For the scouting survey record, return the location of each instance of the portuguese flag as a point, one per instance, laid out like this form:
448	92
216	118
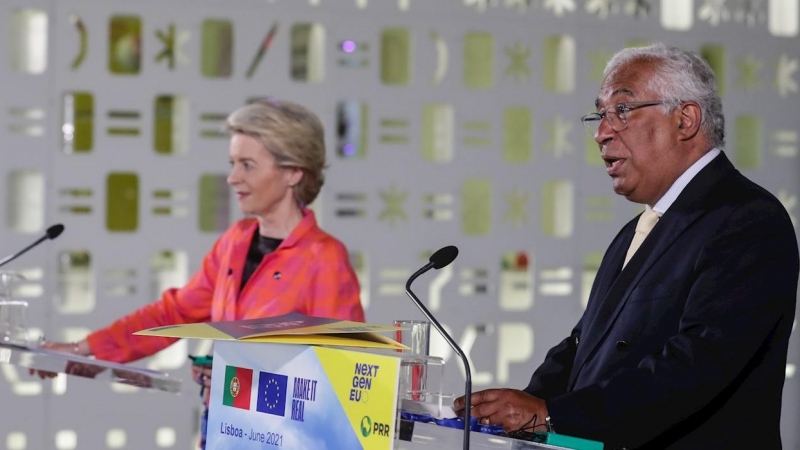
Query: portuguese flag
237	387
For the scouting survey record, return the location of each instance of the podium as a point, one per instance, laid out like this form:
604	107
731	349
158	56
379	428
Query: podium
312	397
36	358
298	396
298	382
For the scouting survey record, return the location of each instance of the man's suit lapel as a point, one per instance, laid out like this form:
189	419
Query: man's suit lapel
686	209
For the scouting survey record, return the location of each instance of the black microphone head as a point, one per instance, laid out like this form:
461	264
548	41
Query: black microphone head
444	256
54	231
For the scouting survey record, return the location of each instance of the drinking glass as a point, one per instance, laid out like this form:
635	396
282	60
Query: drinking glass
13	327
414	371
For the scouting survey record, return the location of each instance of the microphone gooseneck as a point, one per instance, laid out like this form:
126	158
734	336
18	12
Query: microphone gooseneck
439	259
51	233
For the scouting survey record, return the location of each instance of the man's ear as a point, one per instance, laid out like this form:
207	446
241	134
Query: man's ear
690	117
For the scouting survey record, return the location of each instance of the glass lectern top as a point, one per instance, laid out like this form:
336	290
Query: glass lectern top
58	362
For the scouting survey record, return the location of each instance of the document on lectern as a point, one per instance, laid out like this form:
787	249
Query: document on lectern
293	328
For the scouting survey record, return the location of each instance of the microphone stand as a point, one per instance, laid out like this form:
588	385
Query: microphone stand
51	233
453	345
10	258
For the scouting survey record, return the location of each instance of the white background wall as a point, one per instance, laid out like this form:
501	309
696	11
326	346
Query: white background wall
551	201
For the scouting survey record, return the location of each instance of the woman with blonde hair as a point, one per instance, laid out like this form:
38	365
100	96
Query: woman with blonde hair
275	262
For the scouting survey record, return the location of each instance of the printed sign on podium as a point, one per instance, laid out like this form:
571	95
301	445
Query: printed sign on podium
266	393
301	397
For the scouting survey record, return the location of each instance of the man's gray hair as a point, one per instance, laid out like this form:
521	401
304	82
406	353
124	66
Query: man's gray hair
680	76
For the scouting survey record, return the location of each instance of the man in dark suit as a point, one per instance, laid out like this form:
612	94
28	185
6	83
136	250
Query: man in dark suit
683	343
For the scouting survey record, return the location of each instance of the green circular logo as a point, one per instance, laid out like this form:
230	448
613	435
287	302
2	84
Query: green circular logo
366	426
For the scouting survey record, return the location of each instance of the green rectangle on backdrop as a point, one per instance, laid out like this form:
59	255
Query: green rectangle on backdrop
81	111
747	135
476	207
217	48
557	208
437	132
213	209
479	60
162	125
715	56
122	201
396	56
592	152
517	123
124	45
559	64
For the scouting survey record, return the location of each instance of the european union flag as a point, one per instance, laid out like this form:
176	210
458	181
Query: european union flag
272	393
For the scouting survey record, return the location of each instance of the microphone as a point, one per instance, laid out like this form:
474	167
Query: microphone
51	233
441	258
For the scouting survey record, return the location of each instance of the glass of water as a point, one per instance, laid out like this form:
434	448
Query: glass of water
13	326
416	335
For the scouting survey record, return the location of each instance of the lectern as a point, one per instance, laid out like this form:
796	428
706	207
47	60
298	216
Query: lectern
33	357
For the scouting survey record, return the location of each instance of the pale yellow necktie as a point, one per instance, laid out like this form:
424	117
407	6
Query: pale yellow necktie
645	225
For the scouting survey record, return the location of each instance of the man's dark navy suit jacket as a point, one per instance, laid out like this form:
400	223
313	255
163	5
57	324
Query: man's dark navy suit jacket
686	347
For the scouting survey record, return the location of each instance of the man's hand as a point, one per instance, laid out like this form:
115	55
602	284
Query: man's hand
512	409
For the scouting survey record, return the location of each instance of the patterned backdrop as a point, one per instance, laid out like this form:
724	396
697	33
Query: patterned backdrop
447	122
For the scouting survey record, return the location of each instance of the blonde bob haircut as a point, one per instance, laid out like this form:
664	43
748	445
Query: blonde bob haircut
292	134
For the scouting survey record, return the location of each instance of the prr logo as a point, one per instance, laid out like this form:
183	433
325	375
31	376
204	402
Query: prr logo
366	426
369	428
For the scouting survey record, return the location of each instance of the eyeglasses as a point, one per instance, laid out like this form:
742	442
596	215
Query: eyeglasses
616	115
